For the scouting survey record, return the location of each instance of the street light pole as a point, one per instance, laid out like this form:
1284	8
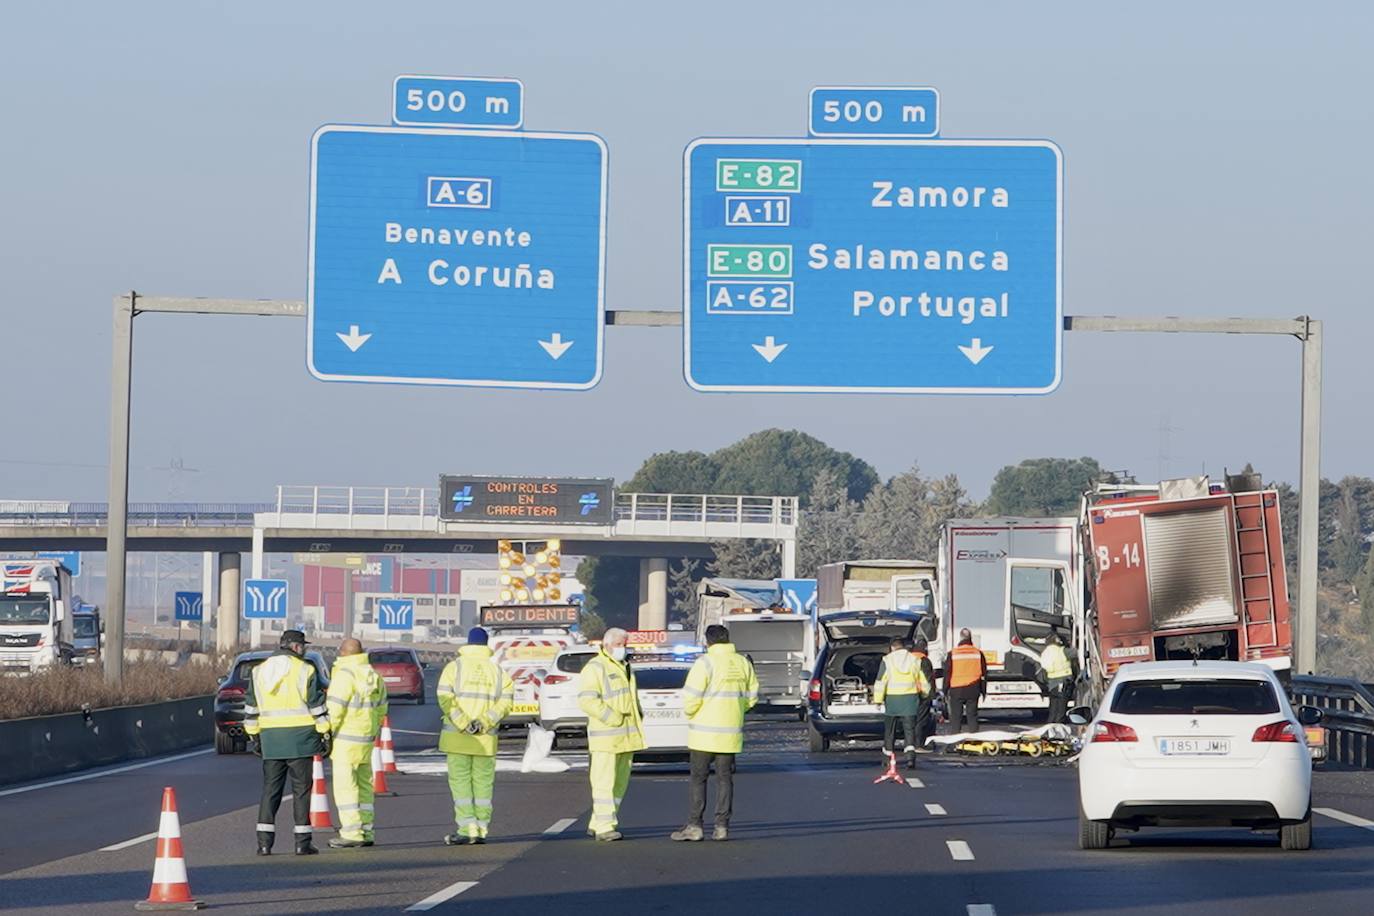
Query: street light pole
121	376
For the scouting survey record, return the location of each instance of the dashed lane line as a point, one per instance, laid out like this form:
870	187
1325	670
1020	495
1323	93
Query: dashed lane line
914	783
981	909
124	769
127	843
1351	819
937	810
448	893
559	826
959	851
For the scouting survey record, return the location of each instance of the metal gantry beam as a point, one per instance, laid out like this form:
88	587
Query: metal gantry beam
1305	329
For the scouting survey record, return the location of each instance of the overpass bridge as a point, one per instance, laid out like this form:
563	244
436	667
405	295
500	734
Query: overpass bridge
651	527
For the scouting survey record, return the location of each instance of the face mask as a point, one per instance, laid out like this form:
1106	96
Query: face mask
618	653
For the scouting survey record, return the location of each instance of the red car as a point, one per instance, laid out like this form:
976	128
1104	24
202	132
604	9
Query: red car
402	671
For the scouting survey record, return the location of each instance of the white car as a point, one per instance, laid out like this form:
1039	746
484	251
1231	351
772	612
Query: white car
1211	743
558	709
660	698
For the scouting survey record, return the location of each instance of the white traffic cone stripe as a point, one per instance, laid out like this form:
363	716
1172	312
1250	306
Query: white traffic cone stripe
168	826
169	871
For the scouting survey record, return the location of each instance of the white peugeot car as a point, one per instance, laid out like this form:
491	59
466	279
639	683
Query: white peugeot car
1211	743
558	709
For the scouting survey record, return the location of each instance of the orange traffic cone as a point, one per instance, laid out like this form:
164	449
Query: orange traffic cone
891	773
170	889
379	786
388	749
319	799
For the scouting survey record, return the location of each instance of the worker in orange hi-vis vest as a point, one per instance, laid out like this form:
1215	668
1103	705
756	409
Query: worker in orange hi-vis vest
966	680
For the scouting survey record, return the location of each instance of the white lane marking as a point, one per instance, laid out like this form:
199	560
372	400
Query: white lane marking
914	783
123	769
559	826
448	893
935	809
127	843
981	909
1351	819
959	851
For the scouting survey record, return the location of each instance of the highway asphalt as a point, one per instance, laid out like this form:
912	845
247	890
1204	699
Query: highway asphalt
812	833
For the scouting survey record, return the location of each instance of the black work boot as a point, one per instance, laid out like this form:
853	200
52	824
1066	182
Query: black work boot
265	842
304	847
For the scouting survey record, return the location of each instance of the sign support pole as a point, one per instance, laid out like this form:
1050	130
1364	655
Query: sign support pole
1305	329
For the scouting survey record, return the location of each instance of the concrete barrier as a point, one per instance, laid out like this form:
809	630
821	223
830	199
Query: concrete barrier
52	745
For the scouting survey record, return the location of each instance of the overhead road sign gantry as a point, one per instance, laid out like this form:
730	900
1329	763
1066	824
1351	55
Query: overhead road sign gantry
456	257
876	265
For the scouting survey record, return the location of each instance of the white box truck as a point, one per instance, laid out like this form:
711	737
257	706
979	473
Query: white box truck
35	615
1011	581
776	641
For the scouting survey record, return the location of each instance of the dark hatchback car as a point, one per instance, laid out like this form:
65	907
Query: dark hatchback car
840	695
402	671
229	734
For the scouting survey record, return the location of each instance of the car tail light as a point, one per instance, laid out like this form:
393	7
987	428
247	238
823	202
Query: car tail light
1112	732
231	693
815	693
556	679
1016	640
1281	731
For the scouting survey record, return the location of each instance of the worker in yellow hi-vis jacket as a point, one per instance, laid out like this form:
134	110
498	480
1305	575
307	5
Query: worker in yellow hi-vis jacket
474	696
608	695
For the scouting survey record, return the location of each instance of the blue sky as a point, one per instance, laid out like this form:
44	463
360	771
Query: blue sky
1216	164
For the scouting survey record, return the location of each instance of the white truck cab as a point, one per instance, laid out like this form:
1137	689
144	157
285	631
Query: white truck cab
35	615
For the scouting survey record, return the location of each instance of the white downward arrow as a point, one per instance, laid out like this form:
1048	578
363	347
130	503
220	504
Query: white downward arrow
769	349
976	352
353	340
556	346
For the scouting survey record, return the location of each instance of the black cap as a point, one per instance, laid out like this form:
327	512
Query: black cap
291	637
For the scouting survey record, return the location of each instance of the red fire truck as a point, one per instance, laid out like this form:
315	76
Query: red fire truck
1186	569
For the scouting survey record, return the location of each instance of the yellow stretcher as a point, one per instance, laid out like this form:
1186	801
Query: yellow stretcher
1031	746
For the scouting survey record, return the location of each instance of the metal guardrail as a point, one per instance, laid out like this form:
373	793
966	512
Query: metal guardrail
1347	714
20	514
678	507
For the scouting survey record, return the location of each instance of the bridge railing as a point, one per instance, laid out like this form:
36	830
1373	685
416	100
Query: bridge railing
1347	714
679	507
38	514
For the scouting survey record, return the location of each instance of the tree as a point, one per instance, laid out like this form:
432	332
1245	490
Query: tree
610	587
894	518
1347	537
1042	486
590	624
829	529
746	559
779	462
675	472
682	590
1364	587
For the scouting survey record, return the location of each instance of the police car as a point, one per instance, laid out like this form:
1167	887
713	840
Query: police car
661	675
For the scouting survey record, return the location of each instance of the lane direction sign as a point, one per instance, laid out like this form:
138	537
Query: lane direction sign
395	614
877	265
189	606
456	257
265	599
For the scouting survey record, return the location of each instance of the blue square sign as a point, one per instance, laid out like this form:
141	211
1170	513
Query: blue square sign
881	265
395	614
189	606
265	599
456	257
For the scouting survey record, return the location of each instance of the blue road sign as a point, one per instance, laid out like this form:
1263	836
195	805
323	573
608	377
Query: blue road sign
456	257
899	266
457	101
798	595
264	599
189	606
70	559
395	614
874	111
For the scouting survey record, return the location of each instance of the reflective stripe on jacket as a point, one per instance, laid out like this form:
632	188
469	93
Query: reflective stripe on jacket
720	688
900	675
284	707
1056	663
966	666
607	693
357	703
473	688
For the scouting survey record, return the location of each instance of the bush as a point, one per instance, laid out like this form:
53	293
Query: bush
147	680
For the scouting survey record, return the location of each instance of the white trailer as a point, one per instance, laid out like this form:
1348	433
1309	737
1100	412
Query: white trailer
779	643
1011	581
35	615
